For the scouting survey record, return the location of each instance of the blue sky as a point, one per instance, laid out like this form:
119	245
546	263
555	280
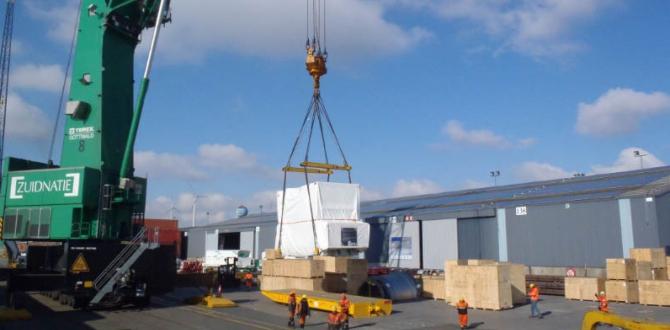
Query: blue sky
425	95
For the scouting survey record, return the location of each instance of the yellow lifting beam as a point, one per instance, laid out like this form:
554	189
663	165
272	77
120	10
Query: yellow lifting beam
326	166
593	318
360	307
308	170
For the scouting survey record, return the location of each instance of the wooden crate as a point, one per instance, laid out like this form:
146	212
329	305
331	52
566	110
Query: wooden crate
299	268
267	267
270	283
448	279
344	265
654	292
484	287
655	256
480	262
271	254
643	271
517	278
583	288
335	283
621	269
433	287
659	274
624	291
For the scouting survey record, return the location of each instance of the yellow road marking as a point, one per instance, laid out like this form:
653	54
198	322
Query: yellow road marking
227	317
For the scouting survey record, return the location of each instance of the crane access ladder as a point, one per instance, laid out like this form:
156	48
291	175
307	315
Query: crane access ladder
121	264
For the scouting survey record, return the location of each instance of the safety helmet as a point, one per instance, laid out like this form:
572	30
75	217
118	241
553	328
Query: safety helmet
304	296
602	293
532	285
292	293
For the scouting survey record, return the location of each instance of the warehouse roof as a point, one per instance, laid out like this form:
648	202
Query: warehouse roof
639	183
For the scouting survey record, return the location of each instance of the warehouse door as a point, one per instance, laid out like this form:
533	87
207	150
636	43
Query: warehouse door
377	252
439	242
211	240
478	238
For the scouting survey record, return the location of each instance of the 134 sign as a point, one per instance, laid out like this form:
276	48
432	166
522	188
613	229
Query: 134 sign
521	210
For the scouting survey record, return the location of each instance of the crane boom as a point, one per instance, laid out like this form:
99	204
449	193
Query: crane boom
5	59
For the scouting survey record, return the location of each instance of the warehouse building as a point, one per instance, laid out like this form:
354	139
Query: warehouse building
568	222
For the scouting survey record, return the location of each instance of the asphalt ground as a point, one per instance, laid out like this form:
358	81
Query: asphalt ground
254	311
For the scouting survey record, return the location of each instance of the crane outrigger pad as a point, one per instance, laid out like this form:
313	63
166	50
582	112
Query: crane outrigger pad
360	307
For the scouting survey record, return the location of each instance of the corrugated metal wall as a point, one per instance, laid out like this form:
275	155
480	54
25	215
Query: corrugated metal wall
645	228
196	244
663	217
440	242
408	255
555	235
478	238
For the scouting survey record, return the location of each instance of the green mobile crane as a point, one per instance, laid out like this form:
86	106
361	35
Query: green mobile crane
86	215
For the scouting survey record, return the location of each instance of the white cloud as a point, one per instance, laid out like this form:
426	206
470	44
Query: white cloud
210	207
628	162
226	156
540	28
25	121
61	17
619	111
267	198
481	137
48	78
535	171
371	195
415	187
276	29
209	158
474	184
167	165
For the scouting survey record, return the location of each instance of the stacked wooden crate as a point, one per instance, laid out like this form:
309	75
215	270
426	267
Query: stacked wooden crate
433	286
344	274
583	288
485	285
297	274
657	258
622	279
656	290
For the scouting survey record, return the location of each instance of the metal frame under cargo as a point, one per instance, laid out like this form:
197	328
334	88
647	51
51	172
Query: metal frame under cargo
572	222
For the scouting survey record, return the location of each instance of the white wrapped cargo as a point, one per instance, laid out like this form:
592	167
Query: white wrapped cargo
335	207
330	201
298	238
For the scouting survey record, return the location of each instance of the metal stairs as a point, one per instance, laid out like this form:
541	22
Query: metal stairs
105	282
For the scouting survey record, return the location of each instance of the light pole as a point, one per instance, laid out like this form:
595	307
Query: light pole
261	208
195	203
172	209
640	155
495	174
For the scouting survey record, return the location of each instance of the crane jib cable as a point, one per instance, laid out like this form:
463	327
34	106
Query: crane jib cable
315	113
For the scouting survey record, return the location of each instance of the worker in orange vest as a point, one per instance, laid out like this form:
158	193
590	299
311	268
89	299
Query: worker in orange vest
302	311
603	305
344	311
334	320
292	306
249	280
462	308
534	295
